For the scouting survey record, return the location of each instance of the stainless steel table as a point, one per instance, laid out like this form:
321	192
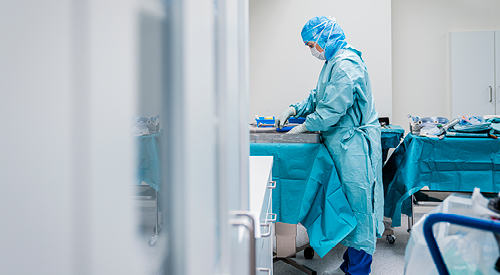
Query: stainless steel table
270	135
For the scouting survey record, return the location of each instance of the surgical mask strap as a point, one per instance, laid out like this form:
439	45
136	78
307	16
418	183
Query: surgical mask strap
319	36
331	29
317	26
326	22
333	25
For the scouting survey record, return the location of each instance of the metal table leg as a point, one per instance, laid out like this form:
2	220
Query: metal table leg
411	219
298	266
158	226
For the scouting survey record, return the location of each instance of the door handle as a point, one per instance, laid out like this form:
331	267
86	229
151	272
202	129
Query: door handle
273	185
273	217
491	94
262	269
268	233
248	224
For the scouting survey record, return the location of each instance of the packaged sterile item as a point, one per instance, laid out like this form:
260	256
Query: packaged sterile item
430	131
471	120
429	123
465	250
143	126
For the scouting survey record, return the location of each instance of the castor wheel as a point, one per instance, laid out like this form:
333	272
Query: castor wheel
153	240
391	239
309	253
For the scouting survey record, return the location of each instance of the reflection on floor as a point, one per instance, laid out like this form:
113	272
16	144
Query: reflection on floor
387	260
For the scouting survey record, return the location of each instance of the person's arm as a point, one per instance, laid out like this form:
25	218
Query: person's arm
306	106
300	109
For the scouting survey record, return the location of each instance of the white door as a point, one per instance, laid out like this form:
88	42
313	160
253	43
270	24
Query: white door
208	142
73	74
473	73
231	42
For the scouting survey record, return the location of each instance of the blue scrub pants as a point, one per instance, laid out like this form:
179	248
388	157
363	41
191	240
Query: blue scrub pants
356	262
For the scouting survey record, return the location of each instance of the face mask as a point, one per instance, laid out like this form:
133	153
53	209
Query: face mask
317	54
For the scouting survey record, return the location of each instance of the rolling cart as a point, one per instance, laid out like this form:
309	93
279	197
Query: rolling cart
146	196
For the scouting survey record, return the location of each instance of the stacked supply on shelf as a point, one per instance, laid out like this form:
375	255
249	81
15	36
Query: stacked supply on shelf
144	126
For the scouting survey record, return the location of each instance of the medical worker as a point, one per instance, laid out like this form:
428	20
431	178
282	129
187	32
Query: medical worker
342	108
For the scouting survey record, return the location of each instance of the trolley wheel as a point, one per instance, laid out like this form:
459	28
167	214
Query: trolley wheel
391	239
309	253
153	240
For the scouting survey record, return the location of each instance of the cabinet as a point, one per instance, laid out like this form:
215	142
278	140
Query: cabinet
475	73
261	208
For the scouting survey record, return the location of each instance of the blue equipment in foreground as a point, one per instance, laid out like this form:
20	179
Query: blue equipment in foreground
488	225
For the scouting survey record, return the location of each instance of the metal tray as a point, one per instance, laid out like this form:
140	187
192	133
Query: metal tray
270	135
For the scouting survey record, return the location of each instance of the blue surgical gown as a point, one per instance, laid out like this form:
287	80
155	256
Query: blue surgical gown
342	108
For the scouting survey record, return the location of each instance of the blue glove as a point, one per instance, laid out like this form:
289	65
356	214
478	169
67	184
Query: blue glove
298	129
281	120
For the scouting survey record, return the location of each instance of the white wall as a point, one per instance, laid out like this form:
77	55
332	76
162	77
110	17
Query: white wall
421	51
282	69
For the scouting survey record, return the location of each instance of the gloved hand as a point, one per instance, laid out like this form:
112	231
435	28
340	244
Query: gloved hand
298	129
281	120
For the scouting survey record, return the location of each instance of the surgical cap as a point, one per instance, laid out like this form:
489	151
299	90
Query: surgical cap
326	33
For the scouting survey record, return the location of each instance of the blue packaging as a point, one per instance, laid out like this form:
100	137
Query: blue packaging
268	122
